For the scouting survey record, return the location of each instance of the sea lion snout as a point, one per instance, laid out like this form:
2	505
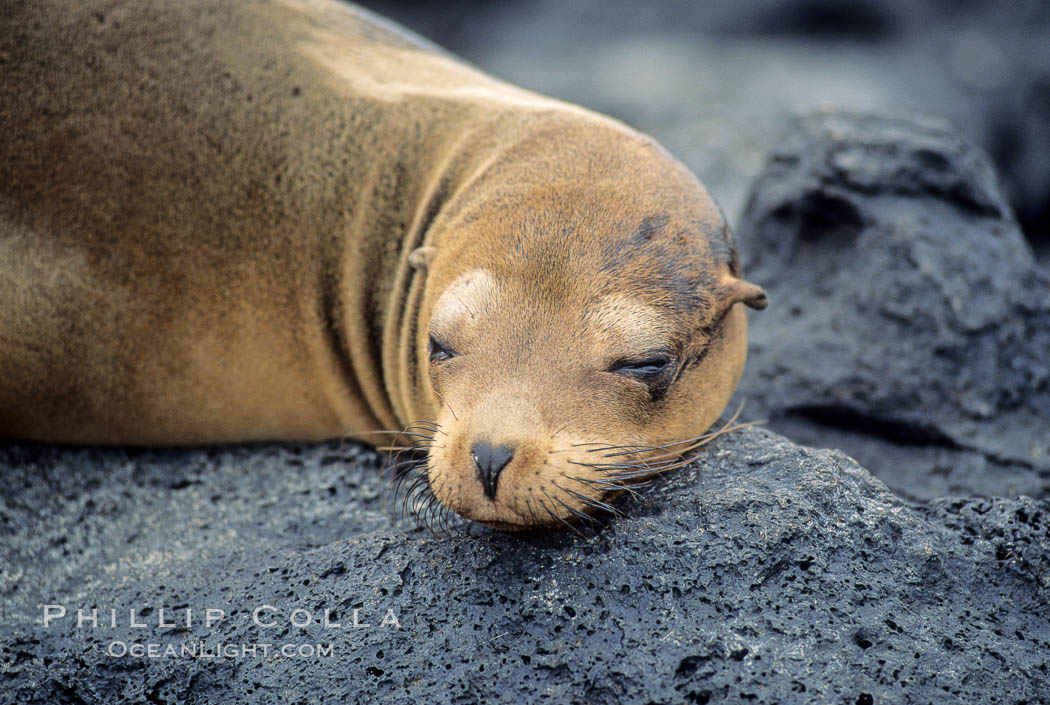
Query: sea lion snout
489	462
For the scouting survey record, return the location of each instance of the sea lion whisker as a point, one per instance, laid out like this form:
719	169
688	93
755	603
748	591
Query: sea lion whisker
590	501
652	467
398	466
435	517
639	474
618	466
402	489
656	460
406	485
427	422
400	472
644	473
430	515
417	482
680	463
442	529
702	441
635	448
407	470
605	485
417	506
447	519
685	463
400	461
423	520
446	404
403	501
557	518
587	465
695	442
532	510
603	447
558	431
411	497
397	474
599	449
631	486
410	508
389	433
689	444
414	434
392	467
404	457
394	488
421	503
419	447
660	466
580	515
424	426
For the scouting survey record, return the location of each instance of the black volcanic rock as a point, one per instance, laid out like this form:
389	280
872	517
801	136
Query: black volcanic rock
905	307
767	573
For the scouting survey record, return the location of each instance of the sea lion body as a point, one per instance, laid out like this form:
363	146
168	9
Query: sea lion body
241	221
203	211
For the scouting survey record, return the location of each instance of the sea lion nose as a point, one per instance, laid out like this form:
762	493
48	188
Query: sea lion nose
490	462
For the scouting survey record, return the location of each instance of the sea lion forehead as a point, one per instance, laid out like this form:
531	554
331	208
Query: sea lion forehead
470	295
626	318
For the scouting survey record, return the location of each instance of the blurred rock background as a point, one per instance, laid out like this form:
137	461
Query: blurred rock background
716	80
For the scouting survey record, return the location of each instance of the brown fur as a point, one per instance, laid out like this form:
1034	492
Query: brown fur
208	211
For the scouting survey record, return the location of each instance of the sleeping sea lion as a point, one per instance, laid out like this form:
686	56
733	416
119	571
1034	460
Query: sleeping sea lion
290	220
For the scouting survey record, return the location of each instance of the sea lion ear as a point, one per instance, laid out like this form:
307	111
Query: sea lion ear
734	289
419	259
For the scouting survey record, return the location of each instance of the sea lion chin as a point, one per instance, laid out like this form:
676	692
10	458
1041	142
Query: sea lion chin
291	221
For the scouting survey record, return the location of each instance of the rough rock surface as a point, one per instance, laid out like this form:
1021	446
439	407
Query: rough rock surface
766	573
909	323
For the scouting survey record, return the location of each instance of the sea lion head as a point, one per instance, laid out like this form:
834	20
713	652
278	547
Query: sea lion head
577	339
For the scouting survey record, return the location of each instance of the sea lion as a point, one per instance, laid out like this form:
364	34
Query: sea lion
284	219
